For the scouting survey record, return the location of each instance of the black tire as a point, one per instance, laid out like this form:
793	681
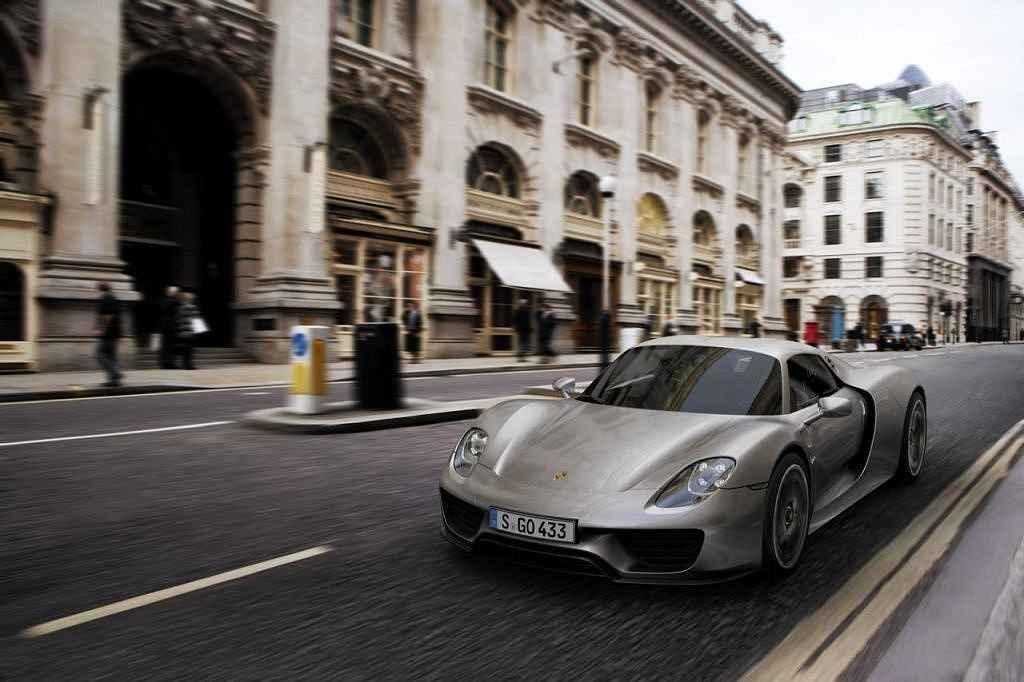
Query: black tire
914	441
787	515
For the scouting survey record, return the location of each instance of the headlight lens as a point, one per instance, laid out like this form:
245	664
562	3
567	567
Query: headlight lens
696	482
469	450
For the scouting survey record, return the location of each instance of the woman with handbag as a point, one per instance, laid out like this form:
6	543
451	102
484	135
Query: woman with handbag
190	325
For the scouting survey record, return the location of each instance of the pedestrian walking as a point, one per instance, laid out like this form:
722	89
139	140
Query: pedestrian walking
1006	335
669	329
649	326
755	328
931	336
187	329
523	323
108	326
412	319
169	329
547	333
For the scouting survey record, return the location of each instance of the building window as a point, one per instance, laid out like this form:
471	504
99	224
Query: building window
949	196
959	201
496	35
949	236
792	195
970	214
970	187
931	186
490	170
652	216
586	83
791	234
873	149
931	229
798	125
833	153
875	224
703	131
743	162
361	17
833	230
854	115
970	242
873	267
874	185
653	94
958	242
353	150
791	266
833	268
582	196
833	188
939	195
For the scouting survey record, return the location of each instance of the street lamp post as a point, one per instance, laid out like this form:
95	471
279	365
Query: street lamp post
607	186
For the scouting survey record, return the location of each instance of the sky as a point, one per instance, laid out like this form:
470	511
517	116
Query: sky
975	45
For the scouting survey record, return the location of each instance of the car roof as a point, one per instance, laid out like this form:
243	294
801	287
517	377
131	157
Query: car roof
777	348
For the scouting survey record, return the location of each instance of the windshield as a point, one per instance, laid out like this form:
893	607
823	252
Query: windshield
699	379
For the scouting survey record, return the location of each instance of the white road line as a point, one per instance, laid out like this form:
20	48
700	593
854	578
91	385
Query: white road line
257	393
881	360
115	433
161	595
930	354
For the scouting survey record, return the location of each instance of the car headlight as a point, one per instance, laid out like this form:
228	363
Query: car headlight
696	483
469	450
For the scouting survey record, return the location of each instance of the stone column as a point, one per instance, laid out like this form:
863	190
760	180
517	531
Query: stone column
293	287
771	233
731	322
628	89
685	156
80	71
444	57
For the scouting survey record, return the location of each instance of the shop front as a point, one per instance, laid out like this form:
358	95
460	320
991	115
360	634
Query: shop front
749	291
707	299
582	265
19	257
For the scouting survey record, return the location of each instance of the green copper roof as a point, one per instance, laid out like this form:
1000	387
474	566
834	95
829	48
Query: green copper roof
889	112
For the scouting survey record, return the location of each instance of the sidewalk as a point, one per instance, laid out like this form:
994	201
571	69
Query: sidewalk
51	385
969	625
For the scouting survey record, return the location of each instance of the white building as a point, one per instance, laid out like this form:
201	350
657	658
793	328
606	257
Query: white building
875	220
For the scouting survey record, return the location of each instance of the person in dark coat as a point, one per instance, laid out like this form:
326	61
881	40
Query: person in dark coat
755	328
547	333
169	329
669	329
186	334
931	336
108	325
523	324
412	319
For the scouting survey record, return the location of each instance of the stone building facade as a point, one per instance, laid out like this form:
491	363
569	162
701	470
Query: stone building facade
882	219
331	161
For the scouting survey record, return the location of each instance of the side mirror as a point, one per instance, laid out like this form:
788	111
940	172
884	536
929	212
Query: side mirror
566	386
830	408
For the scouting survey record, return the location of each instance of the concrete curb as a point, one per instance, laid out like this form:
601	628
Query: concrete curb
343	418
145	389
1000	652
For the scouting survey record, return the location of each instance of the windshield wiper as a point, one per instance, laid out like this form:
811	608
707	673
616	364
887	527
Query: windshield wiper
590	399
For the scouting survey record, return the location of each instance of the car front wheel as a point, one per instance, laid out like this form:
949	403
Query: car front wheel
914	441
787	515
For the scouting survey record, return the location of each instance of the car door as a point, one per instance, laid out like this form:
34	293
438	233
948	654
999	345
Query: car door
832	442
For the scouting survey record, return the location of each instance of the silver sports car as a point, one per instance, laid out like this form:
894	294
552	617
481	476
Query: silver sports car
688	459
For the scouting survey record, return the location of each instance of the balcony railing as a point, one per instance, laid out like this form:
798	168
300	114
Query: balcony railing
584	227
495	208
748	261
360	188
792	242
703	253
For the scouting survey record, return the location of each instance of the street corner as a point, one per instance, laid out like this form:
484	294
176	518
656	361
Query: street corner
349	417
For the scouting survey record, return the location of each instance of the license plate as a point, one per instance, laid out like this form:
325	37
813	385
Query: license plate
543	527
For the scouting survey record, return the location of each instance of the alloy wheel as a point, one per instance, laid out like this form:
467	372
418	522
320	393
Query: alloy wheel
791	515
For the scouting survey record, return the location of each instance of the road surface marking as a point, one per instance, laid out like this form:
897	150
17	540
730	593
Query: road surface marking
115	433
826	643
52	626
257	393
881	360
929	354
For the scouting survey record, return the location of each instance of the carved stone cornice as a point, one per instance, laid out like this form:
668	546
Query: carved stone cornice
650	163
486	100
239	39
362	79
734	113
702	183
590	29
24	15
630	50
554	12
582	136
745	200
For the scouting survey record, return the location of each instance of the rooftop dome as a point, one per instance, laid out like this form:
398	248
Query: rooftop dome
915	77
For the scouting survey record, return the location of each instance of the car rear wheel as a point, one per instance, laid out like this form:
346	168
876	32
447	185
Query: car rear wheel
915	440
787	515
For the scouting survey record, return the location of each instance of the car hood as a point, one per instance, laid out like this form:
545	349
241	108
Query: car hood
598	447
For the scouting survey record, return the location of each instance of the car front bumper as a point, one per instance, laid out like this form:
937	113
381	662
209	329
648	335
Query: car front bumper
619	536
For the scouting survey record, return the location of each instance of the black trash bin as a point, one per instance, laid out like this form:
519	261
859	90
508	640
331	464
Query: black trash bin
378	366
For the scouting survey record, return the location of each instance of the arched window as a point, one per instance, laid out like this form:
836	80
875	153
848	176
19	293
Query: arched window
704	229
793	195
874	312
497	37
12	303
653	106
361	17
582	195
703	131
353	150
745	245
651	215
586	87
489	169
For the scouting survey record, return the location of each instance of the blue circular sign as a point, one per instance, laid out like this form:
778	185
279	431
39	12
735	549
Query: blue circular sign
300	344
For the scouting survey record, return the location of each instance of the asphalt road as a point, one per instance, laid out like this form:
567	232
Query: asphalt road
86	523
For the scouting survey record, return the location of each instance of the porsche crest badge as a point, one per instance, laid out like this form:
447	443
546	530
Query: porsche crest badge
561	475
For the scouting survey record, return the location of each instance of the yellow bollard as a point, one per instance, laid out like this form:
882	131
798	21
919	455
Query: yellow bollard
309	369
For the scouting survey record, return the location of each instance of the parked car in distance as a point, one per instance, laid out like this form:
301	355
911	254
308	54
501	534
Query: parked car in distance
899	336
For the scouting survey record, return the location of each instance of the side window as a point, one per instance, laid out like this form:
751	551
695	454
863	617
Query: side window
809	380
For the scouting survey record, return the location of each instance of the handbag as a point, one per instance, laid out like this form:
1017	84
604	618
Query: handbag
199	326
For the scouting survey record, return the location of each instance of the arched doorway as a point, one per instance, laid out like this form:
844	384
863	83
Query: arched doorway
707	286
178	187
874	312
